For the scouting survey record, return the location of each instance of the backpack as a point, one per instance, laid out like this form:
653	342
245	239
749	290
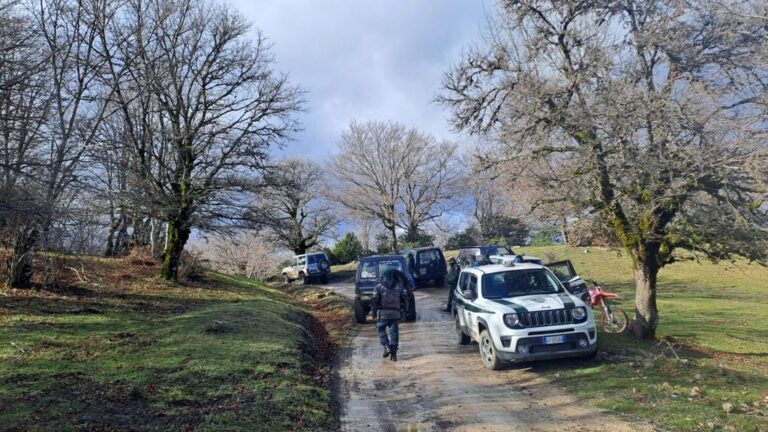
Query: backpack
390	301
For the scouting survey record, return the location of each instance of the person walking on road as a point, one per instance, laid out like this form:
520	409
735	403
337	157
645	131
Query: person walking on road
451	279
390	298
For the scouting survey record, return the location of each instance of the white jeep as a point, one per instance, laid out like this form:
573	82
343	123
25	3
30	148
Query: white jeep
521	312
308	267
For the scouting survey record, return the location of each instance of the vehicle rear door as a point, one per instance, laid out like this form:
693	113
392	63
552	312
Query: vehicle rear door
312	264
429	264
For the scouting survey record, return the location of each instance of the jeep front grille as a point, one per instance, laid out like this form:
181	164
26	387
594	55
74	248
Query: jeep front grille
546	318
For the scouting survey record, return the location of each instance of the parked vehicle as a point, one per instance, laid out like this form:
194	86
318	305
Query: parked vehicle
521	312
471	253
613	319
308	267
368	271
427	264
571	281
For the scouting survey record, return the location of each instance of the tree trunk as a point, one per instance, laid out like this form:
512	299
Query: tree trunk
20	262
564	229
393	233
646	312
176	237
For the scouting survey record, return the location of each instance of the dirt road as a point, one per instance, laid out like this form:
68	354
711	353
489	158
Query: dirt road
439	386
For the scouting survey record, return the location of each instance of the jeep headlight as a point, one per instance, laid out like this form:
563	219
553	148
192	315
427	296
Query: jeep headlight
512	320
579	314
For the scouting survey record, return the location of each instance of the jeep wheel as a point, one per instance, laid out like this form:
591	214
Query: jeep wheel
359	312
461	337
411	315
304	278
488	352
286	279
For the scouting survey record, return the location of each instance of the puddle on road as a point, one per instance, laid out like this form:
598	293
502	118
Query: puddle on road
416	427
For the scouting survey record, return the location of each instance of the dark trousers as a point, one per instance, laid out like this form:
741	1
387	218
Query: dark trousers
394	334
451	293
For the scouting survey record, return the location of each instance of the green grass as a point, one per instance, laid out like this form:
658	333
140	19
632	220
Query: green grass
716	317
137	354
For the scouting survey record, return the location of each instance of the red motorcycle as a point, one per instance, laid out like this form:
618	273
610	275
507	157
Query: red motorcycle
614	319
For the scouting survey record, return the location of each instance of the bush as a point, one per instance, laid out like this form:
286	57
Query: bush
545	237
347	249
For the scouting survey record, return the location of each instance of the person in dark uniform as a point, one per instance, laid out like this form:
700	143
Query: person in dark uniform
451	279
390	298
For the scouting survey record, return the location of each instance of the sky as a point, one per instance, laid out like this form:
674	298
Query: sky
366	60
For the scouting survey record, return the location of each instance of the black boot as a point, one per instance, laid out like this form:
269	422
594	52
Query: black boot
387	352
393	353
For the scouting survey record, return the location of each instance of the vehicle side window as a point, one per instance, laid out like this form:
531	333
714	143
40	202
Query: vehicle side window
301	260
428	257
472	284
463	278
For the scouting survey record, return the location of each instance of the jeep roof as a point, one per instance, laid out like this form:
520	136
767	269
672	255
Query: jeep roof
419	249
381	257
496	268
310	253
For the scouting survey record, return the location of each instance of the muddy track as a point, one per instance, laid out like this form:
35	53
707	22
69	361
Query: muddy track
439	386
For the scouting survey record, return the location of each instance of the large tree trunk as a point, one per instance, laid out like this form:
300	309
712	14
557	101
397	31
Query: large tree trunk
646	312
177	236
20	262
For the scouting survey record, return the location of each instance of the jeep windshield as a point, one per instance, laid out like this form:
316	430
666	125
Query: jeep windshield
515	283
372	269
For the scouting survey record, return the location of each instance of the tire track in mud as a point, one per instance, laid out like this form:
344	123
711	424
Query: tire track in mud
439	386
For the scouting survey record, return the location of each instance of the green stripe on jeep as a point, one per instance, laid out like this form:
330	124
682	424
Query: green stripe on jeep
519	309
567	302
471	307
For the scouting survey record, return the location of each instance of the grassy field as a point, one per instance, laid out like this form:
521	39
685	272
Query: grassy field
118	350
715	318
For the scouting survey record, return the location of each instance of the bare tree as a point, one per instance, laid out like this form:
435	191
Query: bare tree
243	253
210	109
433	181
24	107
658	106
291	206
398	176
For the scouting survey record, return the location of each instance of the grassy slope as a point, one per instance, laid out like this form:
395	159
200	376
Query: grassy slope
717	312
124	352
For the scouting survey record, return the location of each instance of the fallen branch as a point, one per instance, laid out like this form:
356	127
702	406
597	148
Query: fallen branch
18	347
83	277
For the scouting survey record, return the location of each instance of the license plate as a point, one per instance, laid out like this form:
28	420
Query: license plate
550	340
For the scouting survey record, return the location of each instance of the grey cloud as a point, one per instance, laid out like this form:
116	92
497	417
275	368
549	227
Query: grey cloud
365	59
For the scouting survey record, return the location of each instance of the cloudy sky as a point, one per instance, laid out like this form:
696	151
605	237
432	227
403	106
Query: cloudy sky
366	60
